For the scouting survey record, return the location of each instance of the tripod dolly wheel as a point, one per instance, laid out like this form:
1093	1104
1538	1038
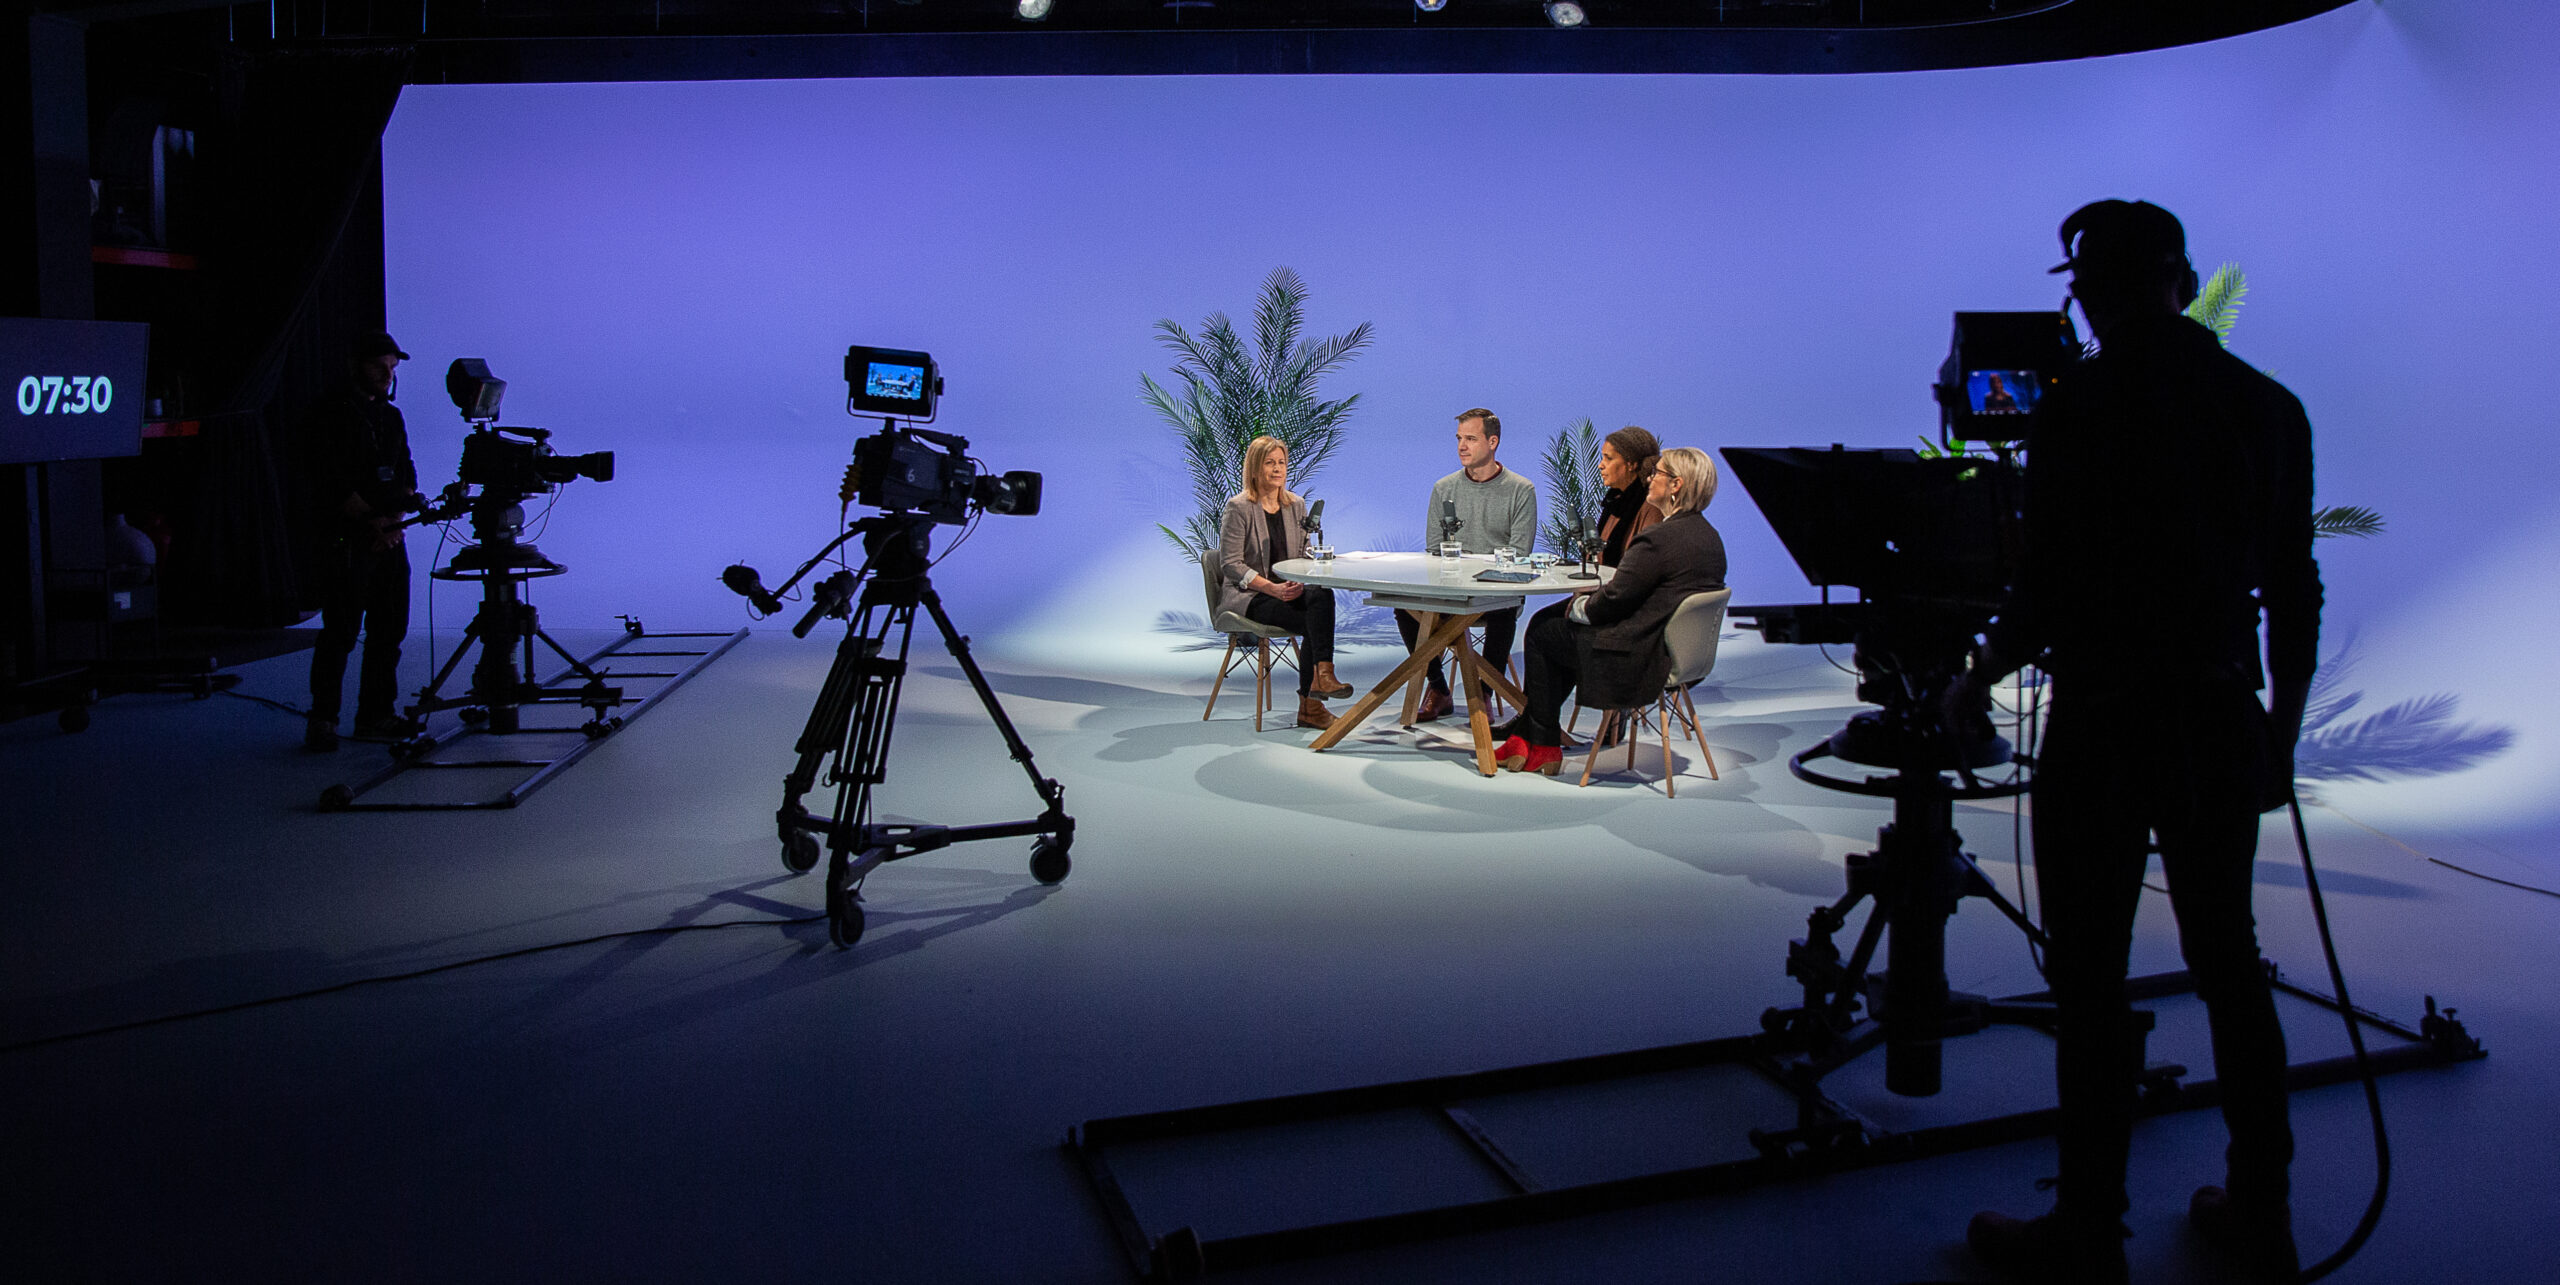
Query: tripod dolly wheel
73	718
799	852
1049	863
335	798
844	904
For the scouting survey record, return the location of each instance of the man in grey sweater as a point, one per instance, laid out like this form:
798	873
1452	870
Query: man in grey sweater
1494	507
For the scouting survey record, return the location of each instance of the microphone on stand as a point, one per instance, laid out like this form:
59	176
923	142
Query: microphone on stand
1449	523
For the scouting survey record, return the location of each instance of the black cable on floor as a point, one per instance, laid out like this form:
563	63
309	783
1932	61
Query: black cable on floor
667	930
2364	1067
271	704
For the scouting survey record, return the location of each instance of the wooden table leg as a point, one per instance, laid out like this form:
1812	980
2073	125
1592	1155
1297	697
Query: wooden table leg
1429	622
1406	671
1479	728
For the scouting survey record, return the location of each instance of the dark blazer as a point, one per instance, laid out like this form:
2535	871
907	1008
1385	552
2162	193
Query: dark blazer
1623	662
1244	545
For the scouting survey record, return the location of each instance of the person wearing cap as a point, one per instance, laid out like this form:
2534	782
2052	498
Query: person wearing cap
362	480
2144	574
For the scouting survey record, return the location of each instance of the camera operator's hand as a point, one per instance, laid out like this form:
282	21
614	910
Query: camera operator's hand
2284	733
387	533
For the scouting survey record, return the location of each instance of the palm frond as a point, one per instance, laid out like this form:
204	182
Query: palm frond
1232	393
1573	493
2346	519
2217	305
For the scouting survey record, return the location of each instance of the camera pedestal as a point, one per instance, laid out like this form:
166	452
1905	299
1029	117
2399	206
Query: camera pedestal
505	625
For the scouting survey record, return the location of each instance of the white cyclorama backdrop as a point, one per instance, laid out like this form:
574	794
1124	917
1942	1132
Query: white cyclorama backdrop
673	271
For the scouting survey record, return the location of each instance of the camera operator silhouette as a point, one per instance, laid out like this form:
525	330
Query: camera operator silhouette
2145	570
362	480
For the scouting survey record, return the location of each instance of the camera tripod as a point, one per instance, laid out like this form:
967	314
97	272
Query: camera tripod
1916	875
505	625
857	709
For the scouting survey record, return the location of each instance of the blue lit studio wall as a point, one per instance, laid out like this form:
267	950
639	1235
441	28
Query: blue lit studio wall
673	271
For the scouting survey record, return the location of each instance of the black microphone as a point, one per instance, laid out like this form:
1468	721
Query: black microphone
1449	522
1315	516
744	582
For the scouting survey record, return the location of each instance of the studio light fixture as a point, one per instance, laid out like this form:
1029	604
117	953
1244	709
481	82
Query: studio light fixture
1431	6
1031	10
1565	13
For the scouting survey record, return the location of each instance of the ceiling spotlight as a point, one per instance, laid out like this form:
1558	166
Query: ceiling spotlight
1431	6
1031	10
1565	13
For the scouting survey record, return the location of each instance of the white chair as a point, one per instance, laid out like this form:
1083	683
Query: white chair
1237	627
1690	636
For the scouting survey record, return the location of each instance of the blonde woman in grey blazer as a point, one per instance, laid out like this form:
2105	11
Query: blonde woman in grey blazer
1265	523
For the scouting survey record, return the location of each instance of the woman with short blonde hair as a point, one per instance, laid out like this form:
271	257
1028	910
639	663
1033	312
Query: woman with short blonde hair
1696	471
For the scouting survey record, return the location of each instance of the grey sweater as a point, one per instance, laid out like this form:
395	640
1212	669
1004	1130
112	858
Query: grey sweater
1502	511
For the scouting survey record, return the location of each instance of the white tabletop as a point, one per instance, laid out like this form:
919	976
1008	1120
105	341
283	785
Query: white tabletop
1425	582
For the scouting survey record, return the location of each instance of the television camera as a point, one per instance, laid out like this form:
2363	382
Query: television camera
508	465
1929	543
917	478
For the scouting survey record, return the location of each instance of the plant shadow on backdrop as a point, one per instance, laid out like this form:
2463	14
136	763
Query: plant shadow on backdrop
2420	736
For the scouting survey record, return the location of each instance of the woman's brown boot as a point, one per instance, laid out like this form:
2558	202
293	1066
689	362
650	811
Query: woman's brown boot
1312	713
1324	682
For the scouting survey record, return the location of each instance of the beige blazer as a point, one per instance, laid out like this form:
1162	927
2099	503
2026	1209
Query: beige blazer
1244	545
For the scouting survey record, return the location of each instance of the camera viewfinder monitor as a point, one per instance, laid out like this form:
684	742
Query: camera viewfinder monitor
1999	367
73	390
892	381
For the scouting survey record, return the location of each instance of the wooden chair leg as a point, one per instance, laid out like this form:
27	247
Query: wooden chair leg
1577	716
1690	707
1226	665
1662	724
1608	719
1261	681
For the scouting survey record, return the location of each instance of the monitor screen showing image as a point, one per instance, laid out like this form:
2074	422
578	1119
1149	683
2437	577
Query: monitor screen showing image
894	382
2001	392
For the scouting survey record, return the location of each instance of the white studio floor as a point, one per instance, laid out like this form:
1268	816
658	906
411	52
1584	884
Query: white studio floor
1244	919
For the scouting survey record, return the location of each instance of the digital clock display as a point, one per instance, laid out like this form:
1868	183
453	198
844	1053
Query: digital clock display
76	387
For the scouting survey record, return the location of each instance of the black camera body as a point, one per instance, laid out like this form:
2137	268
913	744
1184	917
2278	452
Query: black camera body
915	470
507	458
500	458
906	469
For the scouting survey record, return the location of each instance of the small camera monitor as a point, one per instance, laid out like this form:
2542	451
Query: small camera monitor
1998	369
475	392
892	381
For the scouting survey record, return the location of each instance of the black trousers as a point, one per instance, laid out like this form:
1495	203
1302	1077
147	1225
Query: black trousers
1499	627
2120	765
1550	666
371	593
1310	618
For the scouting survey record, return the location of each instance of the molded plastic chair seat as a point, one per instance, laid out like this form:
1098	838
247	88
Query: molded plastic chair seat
1690	636
1258	653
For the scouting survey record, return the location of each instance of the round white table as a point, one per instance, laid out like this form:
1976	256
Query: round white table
1447	598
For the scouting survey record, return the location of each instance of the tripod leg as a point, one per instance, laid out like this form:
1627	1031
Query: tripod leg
1051	793
428	701
820	737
